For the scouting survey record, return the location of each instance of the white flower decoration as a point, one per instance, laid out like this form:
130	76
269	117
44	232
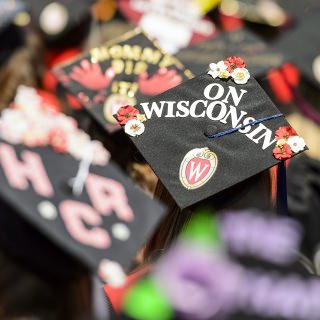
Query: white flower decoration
296	143
134	127
31	122
101	156
112	273
224	74
217	68
240	75
77	144
26	97
12	126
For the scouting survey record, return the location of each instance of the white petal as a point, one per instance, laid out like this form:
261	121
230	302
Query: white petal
296	143
212	66
131	131
222	66
112	273
213	74
244	72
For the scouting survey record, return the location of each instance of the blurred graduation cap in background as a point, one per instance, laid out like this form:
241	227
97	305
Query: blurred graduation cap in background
299	10
264	12
213	271
65	207
160	17
62	23
211	133
125	71
296	84
301	46
242	42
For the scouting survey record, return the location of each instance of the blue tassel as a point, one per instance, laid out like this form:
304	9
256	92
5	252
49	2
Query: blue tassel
282	202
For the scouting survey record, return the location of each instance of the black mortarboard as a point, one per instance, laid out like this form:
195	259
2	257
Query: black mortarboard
297	48
241	42
265	12
53	223
62	23
209	134
125	71
299	10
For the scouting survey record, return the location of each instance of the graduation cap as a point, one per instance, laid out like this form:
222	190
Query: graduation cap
125	71
65	207
62	23
242	42
210	133
265	12
160	17
229	266
299	10
296	47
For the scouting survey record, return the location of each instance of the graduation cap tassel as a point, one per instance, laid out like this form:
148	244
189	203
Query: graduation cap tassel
79	180
282	203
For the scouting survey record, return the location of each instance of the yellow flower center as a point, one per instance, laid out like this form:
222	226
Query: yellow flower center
223	74
281	143
240	76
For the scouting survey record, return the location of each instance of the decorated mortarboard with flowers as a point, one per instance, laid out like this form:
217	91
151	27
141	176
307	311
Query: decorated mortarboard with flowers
125	71
61	23
228	266
63	199
174	24
242	42
210	133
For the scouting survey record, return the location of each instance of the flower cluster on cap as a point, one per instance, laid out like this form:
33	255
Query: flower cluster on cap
131	119
30	121
233	67
288	142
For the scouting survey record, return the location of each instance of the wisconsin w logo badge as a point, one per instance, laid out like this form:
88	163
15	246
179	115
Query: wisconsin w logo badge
197	167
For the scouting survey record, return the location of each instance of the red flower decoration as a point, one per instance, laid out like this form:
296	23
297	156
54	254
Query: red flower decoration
233	63
126	113
285	132
282	153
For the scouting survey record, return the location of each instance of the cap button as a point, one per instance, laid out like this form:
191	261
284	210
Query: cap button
210	130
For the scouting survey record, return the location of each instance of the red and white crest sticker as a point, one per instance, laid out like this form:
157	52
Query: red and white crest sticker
197	168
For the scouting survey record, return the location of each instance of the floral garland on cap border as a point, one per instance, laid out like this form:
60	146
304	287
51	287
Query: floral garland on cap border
33	123
288	142
131	119
233	67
